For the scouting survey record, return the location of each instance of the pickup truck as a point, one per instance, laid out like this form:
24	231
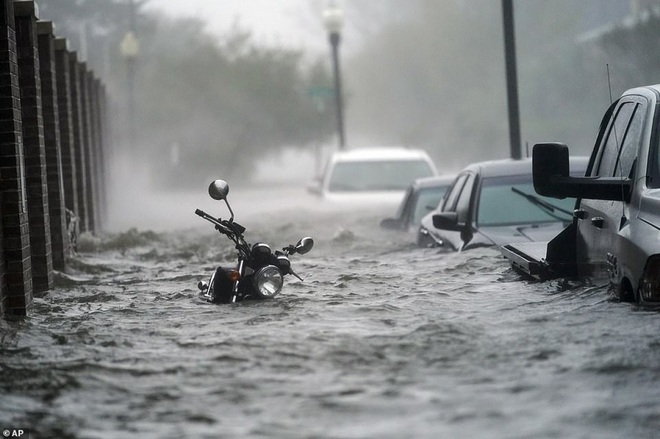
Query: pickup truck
615	232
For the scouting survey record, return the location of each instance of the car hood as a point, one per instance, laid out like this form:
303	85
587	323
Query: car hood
522	233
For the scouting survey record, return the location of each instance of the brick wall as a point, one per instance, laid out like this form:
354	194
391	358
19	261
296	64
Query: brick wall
97	127
79	141
16	298
52	136
34	149
67	140
87	135
50	113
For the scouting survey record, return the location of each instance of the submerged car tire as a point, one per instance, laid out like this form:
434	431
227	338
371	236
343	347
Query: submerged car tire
624	292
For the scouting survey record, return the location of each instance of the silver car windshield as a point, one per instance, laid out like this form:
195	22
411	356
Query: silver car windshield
500	205
385	175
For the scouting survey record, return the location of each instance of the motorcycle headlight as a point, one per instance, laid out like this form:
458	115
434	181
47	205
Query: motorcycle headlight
268	281
649	287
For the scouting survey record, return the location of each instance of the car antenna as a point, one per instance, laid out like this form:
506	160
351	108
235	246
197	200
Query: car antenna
609	82
616	138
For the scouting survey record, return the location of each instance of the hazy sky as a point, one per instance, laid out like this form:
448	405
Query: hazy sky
281	22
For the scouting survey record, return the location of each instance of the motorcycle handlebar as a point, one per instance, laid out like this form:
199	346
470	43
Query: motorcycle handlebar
222	226
218	222
206	216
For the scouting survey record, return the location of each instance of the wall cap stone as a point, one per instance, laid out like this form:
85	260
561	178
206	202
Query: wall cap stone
61	44
26	8
45	27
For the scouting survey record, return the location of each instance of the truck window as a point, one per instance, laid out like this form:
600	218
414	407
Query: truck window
631	142
615	138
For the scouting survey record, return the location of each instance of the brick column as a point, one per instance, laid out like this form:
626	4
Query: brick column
67	141
96	153
3	281
88	142
79	141
104	154
17	297
57	210
35	153
97	124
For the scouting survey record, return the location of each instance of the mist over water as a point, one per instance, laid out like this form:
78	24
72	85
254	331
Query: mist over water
137	200
382	339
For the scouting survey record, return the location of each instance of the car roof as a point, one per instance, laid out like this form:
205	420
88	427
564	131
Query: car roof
440	180
504	167
648	90
379	153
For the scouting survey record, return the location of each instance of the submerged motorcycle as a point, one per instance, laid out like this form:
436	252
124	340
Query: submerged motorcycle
259	272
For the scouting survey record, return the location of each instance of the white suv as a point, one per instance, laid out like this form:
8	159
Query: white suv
372	175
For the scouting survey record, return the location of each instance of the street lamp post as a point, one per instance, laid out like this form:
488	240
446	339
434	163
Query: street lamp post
130	49
333	19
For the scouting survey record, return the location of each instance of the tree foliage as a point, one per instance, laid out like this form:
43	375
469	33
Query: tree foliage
429	73
204	106
224	105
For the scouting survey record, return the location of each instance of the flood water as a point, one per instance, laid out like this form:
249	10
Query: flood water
381	340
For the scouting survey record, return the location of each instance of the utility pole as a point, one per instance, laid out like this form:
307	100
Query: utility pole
511	77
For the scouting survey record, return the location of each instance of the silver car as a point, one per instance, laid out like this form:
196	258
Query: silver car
494	203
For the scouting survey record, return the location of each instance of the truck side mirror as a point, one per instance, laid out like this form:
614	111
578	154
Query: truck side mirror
549	162
551	176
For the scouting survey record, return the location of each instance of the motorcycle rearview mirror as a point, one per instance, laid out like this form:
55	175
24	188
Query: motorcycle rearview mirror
219	189
304	245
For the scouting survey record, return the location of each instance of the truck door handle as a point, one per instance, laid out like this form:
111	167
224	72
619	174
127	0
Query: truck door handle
580	213
597	221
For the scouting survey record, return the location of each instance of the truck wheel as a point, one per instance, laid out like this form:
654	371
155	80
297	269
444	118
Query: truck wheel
626	293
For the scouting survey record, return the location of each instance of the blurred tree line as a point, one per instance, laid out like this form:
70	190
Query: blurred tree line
204	106
427	73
